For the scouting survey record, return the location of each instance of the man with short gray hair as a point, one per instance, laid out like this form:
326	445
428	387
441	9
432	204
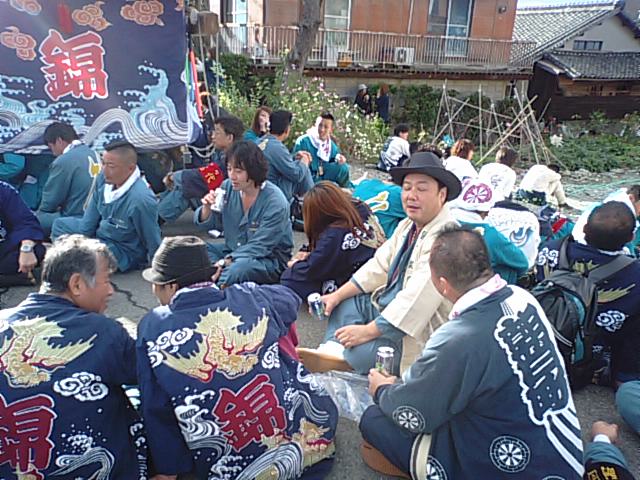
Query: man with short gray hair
122	213
62	367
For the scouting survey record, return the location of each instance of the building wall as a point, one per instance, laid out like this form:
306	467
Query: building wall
615	37
282	12
389	16
393	16
256	12
487	22
570	88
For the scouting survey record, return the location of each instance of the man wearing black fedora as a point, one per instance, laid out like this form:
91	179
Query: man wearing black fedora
391	301
219	380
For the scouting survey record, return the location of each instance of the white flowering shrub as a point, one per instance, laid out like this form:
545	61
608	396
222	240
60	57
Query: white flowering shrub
360	138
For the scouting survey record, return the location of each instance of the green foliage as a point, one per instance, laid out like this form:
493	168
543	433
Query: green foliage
416	105
598	153
237	68
236	103
357	136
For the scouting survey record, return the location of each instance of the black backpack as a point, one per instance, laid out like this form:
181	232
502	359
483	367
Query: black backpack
570	301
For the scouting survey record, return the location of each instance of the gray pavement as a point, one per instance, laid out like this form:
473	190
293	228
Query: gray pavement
133	298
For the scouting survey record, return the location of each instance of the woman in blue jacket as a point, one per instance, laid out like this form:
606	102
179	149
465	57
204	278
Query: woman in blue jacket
343	234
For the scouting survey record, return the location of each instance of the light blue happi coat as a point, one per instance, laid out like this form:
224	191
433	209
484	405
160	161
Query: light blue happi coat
128	225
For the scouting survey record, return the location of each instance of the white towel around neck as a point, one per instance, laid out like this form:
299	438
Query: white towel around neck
111	195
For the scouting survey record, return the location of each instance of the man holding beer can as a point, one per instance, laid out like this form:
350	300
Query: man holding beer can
489	396
391	301
254	215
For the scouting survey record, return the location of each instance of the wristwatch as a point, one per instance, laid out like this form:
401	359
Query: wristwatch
26	248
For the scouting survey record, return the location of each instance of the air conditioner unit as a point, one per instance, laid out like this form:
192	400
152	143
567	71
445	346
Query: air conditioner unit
403	55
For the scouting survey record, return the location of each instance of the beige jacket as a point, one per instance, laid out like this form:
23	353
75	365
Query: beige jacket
418	309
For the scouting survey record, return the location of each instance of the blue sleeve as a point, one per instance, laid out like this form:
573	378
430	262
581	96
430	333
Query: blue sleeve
268	234
213	222
91	218
543	266
284	303
327	253
56	190
11	166
145	221
280	160
166	444
22	221
444	361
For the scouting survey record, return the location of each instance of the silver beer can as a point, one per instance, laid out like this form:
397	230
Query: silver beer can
316	305
218	203
384	360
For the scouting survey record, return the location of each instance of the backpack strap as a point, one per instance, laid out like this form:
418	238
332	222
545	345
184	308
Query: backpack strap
607	270
563	259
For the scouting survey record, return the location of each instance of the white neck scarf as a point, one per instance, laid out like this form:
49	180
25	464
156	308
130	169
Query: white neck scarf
72	145
111	195
476	295
323	147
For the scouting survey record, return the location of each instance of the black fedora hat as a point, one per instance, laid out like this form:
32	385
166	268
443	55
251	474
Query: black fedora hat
428	164
182	260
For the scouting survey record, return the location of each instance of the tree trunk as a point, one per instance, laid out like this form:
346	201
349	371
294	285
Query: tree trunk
306	37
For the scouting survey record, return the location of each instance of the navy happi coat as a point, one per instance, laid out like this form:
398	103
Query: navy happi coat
63	412
219	397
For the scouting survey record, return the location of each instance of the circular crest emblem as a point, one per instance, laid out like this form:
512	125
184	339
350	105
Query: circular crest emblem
509	454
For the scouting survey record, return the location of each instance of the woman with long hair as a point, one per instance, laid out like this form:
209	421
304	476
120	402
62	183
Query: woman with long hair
260	125
459	162
343	234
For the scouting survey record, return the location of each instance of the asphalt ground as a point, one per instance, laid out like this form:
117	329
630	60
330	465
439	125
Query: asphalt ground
133	298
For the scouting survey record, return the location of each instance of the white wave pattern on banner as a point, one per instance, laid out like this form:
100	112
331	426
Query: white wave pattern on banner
151	123
90	455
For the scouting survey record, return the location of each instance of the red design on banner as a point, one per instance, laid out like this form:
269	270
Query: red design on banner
74	67
91	15
212	175
25	427
251	413
23	44
144	12
32	7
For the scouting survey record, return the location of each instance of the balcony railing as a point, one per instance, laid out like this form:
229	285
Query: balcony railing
356	49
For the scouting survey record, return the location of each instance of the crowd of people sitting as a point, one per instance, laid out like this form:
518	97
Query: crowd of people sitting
435	264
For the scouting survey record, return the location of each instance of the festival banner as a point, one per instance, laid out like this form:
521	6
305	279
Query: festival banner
115	70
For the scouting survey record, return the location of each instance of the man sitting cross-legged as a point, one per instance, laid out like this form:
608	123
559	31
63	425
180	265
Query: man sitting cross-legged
255	218
122	213
390	300
489	396
327	163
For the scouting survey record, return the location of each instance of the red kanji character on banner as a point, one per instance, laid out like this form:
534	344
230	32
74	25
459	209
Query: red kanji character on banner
252	412
25	426
75	66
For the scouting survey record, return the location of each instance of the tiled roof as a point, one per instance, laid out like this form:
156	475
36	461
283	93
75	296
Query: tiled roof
551	26
596	65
